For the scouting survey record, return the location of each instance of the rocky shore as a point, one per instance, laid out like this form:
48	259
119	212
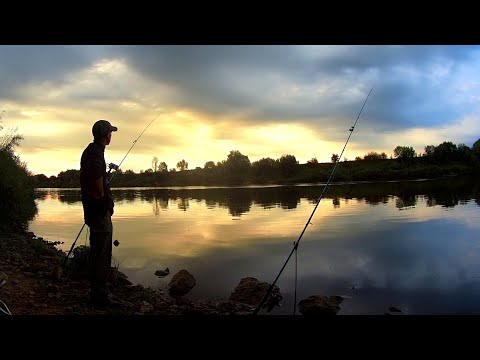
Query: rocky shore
36	284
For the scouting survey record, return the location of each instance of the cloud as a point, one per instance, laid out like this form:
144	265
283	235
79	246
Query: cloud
221	98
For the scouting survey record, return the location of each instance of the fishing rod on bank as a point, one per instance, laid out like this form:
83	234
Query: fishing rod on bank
109	181
324	191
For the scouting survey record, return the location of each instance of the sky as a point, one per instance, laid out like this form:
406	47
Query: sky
261	100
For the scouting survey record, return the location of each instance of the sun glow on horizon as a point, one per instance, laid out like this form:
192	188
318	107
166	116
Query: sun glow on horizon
242	110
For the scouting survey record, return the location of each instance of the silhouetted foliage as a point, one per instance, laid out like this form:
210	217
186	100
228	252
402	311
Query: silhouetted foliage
209	165
372	155
288	165
404	152
265	168
17	194
237	166
476	149
182	165
446	159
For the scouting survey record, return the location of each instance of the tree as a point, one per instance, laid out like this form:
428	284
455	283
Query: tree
313	161
464	153
237	163
10	139
445	151
373	155
163	167
476	149
429	150
288	164
182	165
154	163
209	165
264	166
335	158
404	152
69	178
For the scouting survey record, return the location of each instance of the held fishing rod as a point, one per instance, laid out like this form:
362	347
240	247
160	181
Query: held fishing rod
325	189
109	181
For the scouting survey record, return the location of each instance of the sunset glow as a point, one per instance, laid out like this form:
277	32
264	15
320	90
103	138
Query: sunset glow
264	101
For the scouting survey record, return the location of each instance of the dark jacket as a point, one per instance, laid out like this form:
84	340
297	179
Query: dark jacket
92	167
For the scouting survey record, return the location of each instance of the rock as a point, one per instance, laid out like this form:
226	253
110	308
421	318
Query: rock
116	277
162	273
251	291
123	281
320	305
181	283
394	309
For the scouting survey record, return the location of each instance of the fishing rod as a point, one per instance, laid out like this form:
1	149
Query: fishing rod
325	189
109	181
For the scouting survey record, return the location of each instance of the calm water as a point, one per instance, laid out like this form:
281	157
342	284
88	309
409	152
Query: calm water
412	245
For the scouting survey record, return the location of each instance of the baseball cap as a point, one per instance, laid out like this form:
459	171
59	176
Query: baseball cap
102	128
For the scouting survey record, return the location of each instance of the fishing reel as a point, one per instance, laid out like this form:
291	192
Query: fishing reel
113	166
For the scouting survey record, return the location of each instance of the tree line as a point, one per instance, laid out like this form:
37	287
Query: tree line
444	159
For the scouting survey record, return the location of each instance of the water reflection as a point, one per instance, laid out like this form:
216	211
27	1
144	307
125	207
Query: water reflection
412	245
239	201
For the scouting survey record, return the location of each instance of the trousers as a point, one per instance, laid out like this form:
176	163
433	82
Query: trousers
100	259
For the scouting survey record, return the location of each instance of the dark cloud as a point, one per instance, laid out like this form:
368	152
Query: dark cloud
223	79
24	65
414	85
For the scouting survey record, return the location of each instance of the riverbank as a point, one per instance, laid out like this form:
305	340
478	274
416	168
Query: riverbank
36	285
348	171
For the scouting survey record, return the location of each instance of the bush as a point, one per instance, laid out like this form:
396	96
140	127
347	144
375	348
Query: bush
17	194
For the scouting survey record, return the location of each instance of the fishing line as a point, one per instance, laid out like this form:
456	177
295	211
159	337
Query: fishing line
296	272
109	181
325	189
133	144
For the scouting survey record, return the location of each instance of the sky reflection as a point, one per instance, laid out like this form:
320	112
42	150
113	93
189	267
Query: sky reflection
421	258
